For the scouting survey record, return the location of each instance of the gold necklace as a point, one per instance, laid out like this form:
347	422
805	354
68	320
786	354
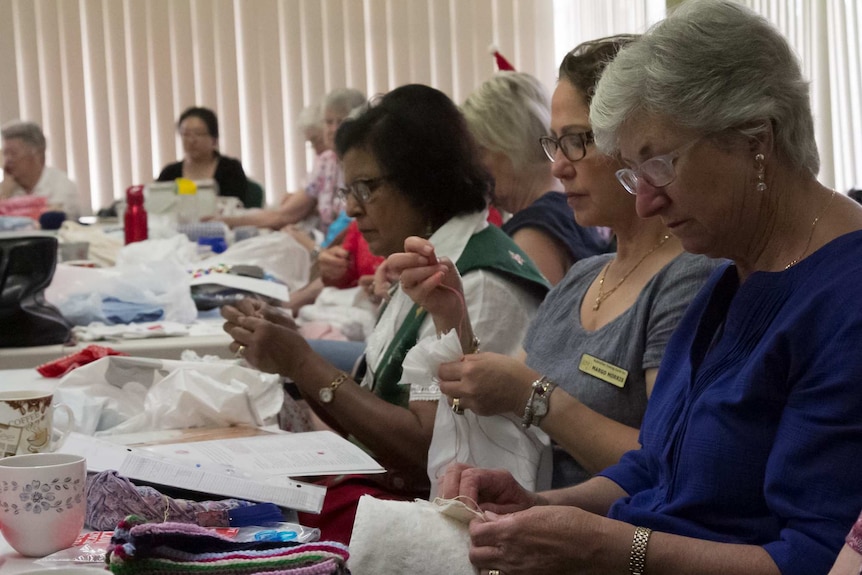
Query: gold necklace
811	233
602	295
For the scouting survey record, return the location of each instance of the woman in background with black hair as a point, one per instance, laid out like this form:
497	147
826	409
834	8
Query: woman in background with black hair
198	128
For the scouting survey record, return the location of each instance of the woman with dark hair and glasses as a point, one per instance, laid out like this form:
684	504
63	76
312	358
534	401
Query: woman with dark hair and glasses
198	129
411	169
592	353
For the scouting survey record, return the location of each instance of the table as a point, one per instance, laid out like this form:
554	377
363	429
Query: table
206	337
12	563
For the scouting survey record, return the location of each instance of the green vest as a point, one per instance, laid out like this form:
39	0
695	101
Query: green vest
491	249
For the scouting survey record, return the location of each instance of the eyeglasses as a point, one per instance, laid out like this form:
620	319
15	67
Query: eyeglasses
190	135
658	171
361	190
573	146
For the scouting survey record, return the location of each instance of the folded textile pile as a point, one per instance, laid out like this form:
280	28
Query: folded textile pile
111	497
178	548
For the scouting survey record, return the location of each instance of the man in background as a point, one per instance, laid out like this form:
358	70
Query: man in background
25	172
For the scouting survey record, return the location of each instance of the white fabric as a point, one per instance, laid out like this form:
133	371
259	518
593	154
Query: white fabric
347	310
60	191
130	394
416	537
498	441
486	294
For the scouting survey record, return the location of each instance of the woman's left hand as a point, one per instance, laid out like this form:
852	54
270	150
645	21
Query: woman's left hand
268	346
543	539
488	383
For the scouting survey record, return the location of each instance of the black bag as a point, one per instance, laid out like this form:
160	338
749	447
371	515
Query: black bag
26	268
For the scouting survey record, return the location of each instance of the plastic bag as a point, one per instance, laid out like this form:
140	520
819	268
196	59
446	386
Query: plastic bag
130	394
147	291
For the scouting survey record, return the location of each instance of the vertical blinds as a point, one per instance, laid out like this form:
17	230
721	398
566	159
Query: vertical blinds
107	78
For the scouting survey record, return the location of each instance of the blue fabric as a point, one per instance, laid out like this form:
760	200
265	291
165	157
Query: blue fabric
753	432
336	227
341	354
119	311
552	215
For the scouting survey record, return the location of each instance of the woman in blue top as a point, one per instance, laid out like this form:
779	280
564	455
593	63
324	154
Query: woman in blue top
752	442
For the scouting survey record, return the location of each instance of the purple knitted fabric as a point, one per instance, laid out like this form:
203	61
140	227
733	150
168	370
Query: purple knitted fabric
854	538
111	497
177	548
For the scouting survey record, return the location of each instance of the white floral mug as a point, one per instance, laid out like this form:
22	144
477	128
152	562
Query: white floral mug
27	423
43	499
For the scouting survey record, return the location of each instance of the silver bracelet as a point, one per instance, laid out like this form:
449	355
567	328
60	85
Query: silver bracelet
637	559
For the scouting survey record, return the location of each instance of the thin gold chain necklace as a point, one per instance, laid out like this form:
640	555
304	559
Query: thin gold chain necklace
811	233
602	294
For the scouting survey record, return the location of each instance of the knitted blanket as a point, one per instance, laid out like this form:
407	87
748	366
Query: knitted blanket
179	549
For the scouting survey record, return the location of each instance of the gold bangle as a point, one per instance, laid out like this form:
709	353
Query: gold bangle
637	559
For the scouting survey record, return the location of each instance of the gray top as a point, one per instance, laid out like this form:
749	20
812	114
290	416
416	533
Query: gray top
634	341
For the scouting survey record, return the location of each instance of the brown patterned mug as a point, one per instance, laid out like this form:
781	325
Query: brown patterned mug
27	423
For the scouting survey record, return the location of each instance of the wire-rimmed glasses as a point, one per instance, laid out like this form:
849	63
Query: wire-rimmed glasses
658	171
361	190
573	146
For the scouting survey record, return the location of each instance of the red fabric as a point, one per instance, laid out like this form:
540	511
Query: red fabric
64	365
335	520
502	63
494	216
26	206
362	261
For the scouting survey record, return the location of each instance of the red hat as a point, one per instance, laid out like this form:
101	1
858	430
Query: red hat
502	63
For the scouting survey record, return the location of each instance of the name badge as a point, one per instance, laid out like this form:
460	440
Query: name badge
603	370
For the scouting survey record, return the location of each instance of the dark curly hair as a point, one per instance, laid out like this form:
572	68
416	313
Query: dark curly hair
421	141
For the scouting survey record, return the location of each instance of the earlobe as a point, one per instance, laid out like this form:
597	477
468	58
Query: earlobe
760	137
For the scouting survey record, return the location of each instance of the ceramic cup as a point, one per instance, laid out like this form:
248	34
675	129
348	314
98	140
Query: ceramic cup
42	501
26	423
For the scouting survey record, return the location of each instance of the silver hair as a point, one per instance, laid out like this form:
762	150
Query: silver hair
508	113
712	65
28	132
310	117
344	100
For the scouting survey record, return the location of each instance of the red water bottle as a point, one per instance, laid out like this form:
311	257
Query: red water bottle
136	215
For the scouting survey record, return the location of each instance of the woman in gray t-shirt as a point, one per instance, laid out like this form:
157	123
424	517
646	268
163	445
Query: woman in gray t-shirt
592	353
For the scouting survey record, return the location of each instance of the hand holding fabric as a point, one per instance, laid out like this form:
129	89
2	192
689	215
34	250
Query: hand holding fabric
544	539
493	490
333	265
488	383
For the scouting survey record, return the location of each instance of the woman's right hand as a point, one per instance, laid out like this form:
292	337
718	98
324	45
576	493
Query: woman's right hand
333	263
493	490
433	284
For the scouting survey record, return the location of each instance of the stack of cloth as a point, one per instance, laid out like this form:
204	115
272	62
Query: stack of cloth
179	548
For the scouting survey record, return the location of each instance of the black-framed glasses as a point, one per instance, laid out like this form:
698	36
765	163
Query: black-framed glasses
361	189
573	146
658	171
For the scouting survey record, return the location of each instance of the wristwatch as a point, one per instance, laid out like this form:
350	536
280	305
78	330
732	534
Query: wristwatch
537	405
327	394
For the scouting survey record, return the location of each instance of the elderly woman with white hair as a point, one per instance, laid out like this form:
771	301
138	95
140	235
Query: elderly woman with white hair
751	444
507	115
25	172
319	196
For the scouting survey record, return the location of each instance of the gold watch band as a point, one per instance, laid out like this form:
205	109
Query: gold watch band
637	559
